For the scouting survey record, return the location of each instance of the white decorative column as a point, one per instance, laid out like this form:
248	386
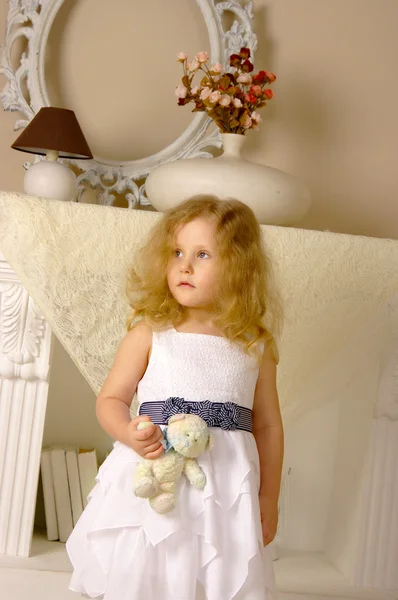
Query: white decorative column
377	557
25	342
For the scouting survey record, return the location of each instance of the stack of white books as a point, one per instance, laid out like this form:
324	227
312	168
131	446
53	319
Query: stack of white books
68	476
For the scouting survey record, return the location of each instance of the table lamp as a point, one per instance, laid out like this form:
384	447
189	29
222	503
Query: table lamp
53	132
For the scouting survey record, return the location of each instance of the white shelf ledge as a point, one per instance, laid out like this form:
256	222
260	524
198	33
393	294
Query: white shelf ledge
312	573
45	556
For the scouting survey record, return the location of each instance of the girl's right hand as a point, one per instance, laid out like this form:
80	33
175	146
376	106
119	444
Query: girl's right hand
145	442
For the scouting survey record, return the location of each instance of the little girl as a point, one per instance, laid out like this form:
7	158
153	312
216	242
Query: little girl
200	297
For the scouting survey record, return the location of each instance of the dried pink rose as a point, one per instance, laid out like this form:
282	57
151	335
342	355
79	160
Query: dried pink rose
202	57
225	100
237	103
181	91
193	65
205	93
181	56
244	78
246	122
215	97
256	117
216	68
195	90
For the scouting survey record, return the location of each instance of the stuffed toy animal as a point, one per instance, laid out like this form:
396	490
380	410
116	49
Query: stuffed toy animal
187	436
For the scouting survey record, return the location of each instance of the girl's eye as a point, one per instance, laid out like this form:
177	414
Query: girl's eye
177	253
203	255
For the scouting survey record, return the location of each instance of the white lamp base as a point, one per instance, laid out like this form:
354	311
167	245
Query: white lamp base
50	179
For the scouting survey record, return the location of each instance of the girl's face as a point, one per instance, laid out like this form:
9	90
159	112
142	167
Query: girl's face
193	271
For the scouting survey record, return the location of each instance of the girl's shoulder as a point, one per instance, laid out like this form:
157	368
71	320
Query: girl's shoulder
143	333
141	328
139	334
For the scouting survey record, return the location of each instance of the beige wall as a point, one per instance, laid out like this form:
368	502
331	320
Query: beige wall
333	122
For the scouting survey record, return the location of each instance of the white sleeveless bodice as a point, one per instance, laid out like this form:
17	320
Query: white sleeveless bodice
198	367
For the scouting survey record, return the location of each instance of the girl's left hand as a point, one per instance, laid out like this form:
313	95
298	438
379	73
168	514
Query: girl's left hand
269	518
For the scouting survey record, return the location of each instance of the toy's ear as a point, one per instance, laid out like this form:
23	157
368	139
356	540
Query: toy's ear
210	443
175	418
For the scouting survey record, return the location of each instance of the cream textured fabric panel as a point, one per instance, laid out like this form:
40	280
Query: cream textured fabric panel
340	292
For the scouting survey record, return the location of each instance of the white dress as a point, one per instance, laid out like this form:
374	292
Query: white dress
210	546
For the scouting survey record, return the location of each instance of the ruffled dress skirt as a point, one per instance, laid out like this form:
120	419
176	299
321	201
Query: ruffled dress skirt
208	548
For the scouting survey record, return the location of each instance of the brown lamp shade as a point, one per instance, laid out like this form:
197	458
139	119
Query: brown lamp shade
54	129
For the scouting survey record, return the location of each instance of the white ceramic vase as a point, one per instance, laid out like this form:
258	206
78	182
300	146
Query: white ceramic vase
275	197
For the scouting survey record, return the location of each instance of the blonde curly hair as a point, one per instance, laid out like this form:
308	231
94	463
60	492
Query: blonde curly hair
246	310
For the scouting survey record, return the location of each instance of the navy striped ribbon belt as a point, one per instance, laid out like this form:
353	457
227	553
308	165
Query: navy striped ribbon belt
226	415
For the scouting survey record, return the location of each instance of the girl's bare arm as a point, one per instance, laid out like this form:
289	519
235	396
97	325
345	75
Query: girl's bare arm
114	400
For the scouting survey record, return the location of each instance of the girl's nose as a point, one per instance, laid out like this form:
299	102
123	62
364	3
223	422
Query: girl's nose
186	268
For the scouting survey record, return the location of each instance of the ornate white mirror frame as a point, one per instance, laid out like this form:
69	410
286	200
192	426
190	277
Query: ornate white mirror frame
33	19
